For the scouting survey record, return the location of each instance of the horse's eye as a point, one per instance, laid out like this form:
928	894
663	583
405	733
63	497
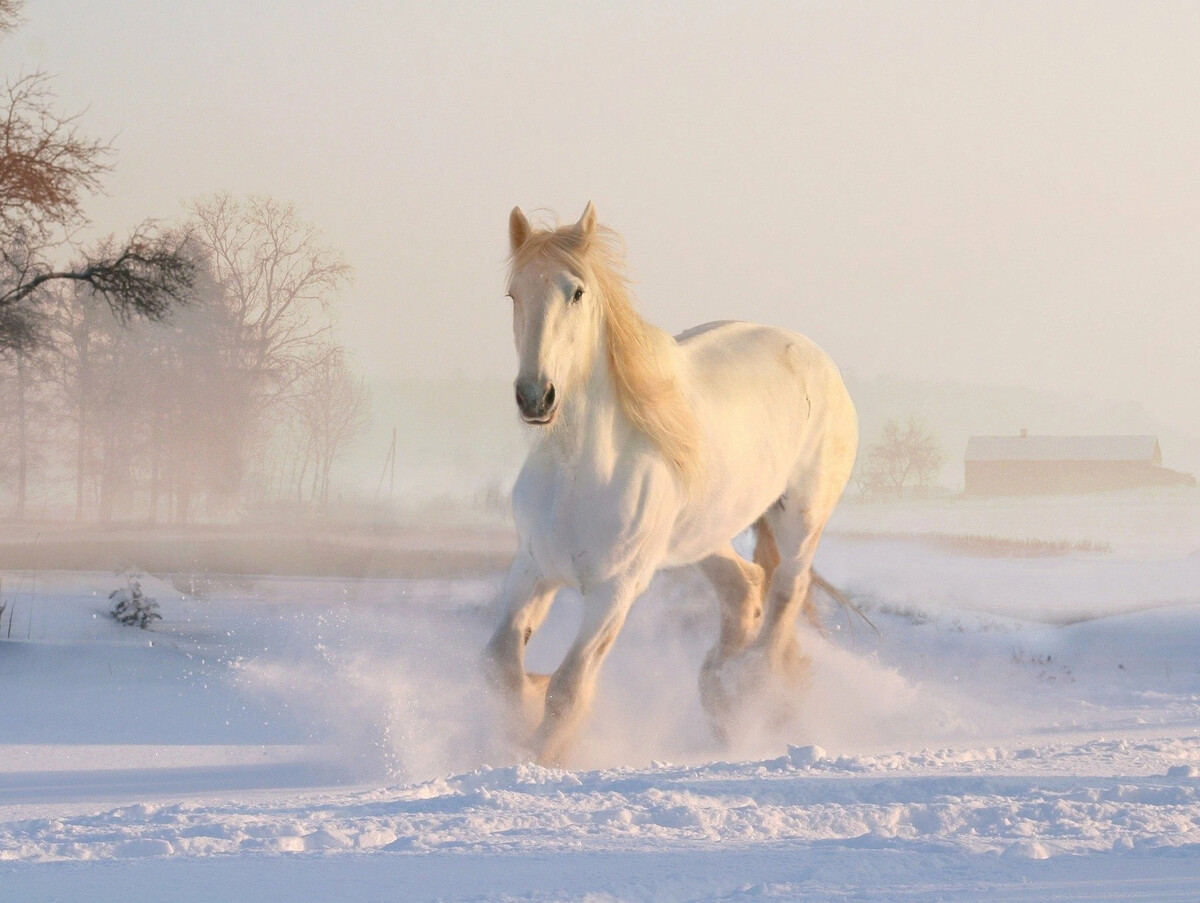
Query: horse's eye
578	294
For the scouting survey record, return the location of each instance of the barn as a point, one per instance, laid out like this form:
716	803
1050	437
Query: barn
1036	465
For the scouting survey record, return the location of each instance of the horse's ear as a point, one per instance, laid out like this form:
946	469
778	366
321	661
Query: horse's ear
587	223
518	229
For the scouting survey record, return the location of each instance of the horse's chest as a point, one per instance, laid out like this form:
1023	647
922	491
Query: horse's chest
582	531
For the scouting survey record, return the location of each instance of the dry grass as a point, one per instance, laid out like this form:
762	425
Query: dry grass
353	555
988	546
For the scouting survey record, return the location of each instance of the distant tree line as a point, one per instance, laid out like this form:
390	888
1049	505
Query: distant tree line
238	395
171	370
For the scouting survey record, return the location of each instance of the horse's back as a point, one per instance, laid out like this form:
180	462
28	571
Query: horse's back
695	331
735	355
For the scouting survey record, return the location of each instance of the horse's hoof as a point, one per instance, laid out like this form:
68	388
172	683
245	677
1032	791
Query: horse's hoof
726	687
759	685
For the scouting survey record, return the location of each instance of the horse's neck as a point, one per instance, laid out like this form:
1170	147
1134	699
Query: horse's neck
590	416
595	426
592	424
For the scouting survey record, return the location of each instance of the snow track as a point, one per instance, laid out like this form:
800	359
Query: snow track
973	801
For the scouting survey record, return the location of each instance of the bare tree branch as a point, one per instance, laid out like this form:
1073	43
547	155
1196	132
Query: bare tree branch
10	15
278	276
144	276
46	166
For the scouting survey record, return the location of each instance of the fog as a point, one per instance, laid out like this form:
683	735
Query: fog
298	478
998	201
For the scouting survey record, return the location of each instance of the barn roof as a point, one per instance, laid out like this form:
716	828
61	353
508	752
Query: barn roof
1063	448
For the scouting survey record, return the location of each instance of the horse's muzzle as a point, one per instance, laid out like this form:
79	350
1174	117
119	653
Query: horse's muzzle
536	401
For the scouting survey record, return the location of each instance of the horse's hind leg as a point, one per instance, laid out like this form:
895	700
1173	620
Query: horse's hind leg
796	534
739	587
766	554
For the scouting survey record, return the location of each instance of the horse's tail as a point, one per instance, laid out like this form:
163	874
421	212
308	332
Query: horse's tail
838	596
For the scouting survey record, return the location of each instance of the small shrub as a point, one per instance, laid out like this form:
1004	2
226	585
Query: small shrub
131	605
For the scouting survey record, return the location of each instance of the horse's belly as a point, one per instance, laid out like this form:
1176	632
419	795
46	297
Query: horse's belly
747	474
703	529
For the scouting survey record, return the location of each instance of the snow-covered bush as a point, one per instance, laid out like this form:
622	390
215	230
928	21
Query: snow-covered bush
131	605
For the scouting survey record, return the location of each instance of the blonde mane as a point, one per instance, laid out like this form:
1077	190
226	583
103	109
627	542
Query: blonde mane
640	356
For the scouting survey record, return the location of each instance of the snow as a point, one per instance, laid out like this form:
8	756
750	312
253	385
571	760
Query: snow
1024	728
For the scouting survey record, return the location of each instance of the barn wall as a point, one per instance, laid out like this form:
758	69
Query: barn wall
1047	477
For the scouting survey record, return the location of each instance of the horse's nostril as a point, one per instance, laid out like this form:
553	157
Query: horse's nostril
535	399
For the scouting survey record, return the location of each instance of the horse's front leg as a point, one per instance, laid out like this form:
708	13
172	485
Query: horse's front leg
525	602
573	685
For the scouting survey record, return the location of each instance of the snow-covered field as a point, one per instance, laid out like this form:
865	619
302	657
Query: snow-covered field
1024	728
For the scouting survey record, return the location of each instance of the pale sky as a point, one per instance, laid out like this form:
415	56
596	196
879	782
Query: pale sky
1002	193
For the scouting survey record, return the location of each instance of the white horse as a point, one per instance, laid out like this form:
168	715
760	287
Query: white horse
655	452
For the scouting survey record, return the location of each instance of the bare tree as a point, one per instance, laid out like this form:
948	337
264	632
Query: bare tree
22	363
77	343
20	407
47	168
902	455
200	406
158	409
334	406
277	276
30	421
100	391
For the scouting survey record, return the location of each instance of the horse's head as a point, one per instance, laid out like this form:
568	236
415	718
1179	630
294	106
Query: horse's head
556	312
